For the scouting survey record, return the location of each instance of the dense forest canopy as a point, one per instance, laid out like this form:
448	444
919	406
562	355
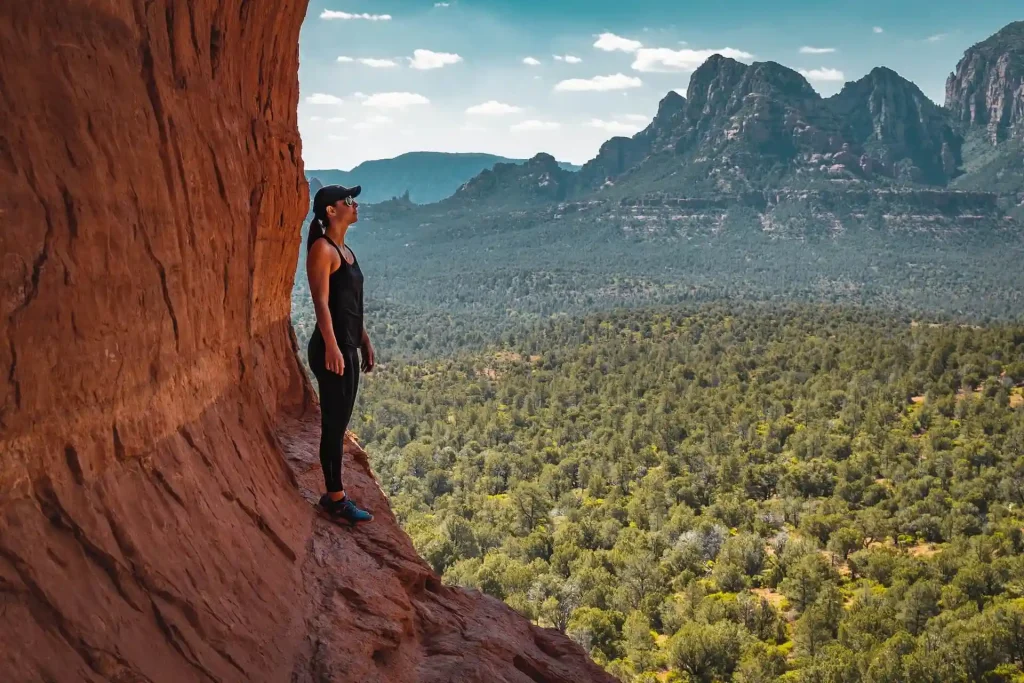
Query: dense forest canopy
727	493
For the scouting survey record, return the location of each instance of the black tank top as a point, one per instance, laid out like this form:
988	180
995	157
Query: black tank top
345	301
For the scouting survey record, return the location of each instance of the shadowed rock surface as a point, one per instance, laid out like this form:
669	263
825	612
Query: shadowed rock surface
987	87
151	526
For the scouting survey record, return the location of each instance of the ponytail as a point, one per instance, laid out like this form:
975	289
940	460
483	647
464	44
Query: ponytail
316	231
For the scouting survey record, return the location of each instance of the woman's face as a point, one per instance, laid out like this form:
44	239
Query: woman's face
345	213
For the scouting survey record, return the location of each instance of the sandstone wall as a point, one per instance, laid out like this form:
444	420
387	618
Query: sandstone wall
151	528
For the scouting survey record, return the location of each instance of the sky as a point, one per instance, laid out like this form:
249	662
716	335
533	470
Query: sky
378	78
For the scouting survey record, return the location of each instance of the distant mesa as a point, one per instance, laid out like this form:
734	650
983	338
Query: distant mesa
426	176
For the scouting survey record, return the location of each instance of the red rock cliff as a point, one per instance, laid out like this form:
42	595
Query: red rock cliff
156	430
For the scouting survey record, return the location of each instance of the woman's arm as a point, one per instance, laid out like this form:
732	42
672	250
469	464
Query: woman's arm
318	271
369	355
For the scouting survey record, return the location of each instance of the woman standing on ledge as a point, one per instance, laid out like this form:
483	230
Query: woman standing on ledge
336	284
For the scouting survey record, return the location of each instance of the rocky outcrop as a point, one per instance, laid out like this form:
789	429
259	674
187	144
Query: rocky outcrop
901	131
619	154
151	526
540	178
987	88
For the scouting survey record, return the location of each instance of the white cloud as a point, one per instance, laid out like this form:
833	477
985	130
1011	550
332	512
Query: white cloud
665	60
568	59
599	83
823	75
535	125
640	118
427	59
936	38
394	100
609	42
372	122
359	95
323	98
807	50
315	118
530	61
336	119
472	127
378	63
441	4
338	137
493	108
614	127
345	60
331	14
878	29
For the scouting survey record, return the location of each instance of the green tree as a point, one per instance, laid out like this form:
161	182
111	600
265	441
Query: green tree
707	652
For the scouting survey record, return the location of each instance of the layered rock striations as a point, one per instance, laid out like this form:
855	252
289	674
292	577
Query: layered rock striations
151	526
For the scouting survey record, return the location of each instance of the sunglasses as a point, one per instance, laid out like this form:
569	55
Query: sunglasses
349	201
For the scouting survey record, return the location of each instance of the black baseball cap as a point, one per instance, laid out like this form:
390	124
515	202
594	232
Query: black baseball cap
329	194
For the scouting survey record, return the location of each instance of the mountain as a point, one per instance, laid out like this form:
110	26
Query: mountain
752	186
987	87
753	127
903	134
985	97
511	185
426	176
620	153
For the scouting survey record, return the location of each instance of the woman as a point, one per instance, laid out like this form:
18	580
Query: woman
336	284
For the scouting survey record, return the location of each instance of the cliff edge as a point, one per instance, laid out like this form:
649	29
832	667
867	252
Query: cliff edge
157	433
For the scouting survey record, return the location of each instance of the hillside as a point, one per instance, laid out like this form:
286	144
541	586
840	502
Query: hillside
426	176
741	493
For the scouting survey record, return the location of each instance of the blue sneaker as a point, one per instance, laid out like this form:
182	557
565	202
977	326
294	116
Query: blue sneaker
344	509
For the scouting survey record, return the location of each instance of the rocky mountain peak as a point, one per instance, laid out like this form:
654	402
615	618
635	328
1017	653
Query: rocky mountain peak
987	87
508	184
903	132
542	160
670	105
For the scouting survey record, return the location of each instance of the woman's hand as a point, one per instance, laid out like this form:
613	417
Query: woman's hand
368	357
333	360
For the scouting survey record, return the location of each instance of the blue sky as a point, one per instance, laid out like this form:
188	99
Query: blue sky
379	78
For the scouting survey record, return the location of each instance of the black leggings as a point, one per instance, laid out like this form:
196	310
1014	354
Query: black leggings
337	399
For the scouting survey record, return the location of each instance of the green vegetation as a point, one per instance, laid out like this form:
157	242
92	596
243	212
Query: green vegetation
754	494
440	283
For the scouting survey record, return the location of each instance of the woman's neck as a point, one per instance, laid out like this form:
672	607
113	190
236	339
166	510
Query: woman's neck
336	231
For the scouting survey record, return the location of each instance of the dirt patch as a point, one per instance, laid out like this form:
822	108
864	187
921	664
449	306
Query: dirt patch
777	600
922	550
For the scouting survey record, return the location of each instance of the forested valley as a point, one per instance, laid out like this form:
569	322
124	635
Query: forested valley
714	493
